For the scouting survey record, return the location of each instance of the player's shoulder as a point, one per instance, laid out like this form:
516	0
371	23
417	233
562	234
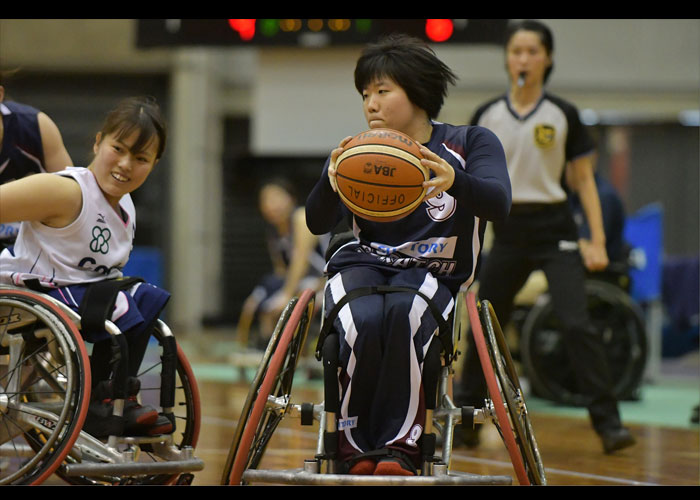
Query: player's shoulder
19	109
488	106
567	107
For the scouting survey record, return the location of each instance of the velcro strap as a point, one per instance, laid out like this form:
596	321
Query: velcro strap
98	302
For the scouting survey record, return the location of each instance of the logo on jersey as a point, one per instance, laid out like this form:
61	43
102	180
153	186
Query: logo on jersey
544	135
100	239
414	435
441	207
434	254
347	423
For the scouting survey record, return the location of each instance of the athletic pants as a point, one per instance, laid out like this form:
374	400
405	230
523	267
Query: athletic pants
383	340
543	239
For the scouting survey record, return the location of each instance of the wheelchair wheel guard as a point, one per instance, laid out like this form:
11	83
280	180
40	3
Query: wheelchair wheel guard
44	386
505	392
273	380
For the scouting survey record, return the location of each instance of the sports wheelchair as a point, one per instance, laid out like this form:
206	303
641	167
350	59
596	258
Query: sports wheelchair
614	314
269	401
45	389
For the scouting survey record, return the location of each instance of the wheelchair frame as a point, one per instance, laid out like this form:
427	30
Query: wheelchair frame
269	401
41	347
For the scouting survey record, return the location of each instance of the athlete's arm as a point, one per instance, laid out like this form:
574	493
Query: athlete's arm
594	254
323	206
51	199
56	156
483	184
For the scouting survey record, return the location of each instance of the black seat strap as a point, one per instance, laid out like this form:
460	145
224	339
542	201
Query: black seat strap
98	302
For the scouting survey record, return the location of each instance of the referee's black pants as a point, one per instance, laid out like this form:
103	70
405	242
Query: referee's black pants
506	270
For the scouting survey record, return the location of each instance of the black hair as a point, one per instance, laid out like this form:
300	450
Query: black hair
281	182
137	113
412	64
545	34
7	74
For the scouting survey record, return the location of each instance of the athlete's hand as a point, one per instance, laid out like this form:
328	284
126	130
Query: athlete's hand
595	256
331	166
444	173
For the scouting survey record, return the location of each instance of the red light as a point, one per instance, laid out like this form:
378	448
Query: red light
439	30
244	27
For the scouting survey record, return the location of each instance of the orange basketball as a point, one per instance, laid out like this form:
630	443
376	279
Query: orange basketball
380	176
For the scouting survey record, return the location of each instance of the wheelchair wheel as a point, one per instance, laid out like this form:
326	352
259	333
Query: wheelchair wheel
506	394
621	324
186	410
260	415
44	386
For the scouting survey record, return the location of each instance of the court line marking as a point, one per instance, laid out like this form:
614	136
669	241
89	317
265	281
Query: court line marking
455	456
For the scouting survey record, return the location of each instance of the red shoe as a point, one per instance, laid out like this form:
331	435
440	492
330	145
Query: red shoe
363	467
393	467
163	425
136	416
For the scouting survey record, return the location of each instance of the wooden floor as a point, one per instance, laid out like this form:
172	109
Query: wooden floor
570	450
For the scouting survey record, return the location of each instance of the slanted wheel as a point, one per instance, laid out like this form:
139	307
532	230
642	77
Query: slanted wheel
621	326
506	394
44	386
271	389
164	385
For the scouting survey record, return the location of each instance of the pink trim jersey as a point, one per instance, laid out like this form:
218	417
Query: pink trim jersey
94	247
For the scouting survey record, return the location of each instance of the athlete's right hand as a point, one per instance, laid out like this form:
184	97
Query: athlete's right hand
331	166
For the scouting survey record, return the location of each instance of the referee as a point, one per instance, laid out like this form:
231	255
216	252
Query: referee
542	135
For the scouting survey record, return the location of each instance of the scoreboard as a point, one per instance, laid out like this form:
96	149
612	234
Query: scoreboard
312	32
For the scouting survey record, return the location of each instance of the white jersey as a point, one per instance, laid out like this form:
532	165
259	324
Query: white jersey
94	247
537	145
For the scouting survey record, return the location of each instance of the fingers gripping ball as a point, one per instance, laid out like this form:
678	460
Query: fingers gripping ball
380	176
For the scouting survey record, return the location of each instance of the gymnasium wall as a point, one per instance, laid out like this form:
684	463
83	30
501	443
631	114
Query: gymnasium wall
226	106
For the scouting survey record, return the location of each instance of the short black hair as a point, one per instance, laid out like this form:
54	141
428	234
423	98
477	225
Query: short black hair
412	64
545	34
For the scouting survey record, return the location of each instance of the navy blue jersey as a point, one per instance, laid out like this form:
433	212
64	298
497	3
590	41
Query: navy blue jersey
444	234
22	152
281	247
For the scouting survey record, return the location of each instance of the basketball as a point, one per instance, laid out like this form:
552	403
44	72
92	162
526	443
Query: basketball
380	176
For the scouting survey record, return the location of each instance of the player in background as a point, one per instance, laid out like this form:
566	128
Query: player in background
30	143
297	259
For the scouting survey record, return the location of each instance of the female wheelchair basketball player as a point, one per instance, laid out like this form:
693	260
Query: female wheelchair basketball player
435	250
77	230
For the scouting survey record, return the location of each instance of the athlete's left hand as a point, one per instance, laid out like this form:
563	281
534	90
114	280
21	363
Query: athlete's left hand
594	255
444	173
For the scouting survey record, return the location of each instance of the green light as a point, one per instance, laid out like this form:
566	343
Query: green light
269	27
363	25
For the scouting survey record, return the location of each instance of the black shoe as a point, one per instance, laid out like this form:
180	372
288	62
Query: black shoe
164	424
616	439
100	421
137	418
